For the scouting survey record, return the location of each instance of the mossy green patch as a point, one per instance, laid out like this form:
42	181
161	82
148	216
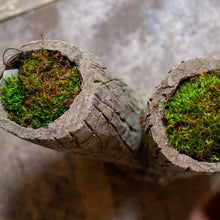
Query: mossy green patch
43	90
157	104
192	117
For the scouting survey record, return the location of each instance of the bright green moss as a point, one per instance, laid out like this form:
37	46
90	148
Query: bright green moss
42	91
192	117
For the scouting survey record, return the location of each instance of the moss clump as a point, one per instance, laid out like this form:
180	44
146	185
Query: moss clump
192	117
43	90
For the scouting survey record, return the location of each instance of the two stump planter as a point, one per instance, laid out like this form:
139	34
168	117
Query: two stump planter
105	120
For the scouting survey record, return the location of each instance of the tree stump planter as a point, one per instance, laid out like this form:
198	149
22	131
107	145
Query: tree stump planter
164	162
103	120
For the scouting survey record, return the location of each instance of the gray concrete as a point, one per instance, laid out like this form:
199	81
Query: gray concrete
137	40
12	8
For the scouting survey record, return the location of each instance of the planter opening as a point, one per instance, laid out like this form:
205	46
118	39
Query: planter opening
192	117
42	90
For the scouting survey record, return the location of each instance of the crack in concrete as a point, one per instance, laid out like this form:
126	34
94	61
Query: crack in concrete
122	119
60	143
94	133
116	130
75	139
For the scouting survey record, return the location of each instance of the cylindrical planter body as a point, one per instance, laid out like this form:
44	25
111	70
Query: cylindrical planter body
164	162
103	120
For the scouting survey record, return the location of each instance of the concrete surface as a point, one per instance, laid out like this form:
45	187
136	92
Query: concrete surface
139	41
11	8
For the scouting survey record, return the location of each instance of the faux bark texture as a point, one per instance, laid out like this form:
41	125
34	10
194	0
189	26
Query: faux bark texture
164	162
103	121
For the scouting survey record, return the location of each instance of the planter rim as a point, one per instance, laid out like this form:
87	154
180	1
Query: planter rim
182	71
85	62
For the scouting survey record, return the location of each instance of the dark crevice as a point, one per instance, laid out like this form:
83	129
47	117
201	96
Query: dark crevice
60	143
147	116
102	69
91	129
122	119
38	141
94	133
75	139
104	83
116	130
148	129
166	87
86	139
96	65
116	96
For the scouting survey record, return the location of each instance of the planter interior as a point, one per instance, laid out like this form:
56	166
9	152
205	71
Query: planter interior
44	84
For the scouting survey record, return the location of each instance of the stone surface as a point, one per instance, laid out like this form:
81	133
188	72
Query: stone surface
161	154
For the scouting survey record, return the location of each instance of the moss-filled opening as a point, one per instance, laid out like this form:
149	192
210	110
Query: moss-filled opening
192	117
43	89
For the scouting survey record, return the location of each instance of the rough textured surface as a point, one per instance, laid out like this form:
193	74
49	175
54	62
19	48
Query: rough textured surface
139	41
103	121
161	155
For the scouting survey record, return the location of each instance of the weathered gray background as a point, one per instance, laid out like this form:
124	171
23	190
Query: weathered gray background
139	41
11	8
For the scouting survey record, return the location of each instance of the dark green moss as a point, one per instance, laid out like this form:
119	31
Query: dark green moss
192	117
43	90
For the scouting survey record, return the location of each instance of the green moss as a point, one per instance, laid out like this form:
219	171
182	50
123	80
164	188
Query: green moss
157	104
43	90
192	117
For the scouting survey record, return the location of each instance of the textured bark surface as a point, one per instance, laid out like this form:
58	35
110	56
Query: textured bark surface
103	121
140	41
166	163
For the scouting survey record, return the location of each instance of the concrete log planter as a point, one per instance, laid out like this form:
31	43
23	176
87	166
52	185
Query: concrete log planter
164	162
103	120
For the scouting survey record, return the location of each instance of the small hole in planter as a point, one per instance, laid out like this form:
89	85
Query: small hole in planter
192	117
42	90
